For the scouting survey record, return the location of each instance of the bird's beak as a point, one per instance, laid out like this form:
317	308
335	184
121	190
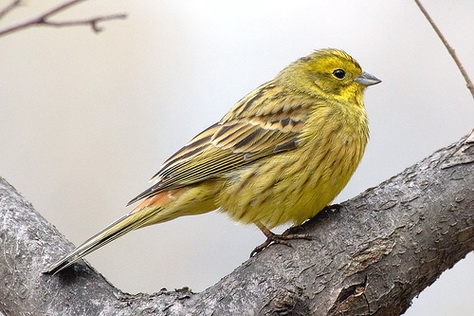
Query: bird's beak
367	79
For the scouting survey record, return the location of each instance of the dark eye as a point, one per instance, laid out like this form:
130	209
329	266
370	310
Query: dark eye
339	73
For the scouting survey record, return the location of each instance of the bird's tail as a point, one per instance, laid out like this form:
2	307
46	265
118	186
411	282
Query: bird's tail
156	209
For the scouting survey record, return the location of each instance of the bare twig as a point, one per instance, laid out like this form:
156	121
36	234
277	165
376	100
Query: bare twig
451	51
42	19
89	21
7	9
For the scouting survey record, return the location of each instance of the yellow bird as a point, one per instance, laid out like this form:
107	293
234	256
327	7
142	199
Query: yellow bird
280	155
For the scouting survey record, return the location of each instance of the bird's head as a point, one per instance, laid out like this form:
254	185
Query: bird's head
328	72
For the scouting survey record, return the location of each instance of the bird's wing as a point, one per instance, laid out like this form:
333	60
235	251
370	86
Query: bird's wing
266	122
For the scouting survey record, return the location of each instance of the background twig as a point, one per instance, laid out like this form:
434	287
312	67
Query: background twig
42	19
451	50
7	9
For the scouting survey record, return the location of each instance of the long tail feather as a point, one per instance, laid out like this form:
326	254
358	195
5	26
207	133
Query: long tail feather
118	228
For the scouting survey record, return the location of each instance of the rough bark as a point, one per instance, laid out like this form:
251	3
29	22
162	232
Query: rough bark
369	257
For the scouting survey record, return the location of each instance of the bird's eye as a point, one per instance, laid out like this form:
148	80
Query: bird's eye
339	73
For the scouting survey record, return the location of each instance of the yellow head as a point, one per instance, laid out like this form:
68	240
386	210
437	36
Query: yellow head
327	72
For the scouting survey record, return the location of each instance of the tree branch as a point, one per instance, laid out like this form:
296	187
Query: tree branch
43	19
9	7
450	49
371	257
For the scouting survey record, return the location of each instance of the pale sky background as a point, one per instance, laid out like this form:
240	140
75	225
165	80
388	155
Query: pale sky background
87	119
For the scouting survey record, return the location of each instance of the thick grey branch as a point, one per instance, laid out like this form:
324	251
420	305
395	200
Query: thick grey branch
370	257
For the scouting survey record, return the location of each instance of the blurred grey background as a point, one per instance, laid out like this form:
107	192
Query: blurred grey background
87	119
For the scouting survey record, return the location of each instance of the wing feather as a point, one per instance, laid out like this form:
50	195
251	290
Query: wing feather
267	121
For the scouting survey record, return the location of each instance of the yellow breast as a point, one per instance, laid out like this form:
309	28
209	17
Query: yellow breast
296	185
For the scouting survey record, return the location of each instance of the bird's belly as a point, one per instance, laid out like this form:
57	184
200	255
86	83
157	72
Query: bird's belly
291	187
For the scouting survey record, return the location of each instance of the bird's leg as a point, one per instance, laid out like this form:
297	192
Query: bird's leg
273	238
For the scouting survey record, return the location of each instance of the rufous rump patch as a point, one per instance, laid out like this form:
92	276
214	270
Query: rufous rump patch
160	199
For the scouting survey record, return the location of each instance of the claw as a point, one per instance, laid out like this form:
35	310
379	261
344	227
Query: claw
273	238
333	208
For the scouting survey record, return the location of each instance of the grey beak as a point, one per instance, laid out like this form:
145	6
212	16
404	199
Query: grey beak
367	79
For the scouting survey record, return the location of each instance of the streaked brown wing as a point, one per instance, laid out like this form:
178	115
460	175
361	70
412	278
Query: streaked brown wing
267	121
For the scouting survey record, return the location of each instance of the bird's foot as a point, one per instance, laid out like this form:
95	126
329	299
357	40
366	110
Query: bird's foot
332	208
273	238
